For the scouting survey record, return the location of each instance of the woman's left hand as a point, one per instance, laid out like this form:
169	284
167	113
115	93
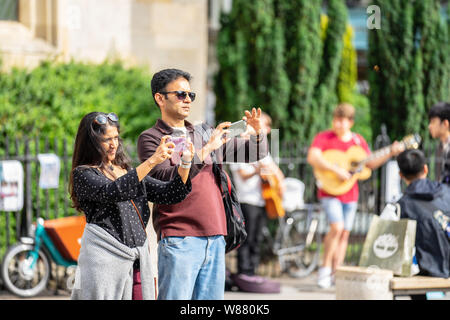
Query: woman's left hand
164	151
254	119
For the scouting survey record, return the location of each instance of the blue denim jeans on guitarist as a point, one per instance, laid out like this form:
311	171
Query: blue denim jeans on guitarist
338	211
191	268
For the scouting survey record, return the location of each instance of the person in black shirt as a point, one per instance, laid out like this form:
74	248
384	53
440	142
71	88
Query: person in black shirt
427	202
110	193
439	127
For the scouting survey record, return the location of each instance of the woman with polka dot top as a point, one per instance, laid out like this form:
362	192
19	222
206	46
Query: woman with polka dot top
114	198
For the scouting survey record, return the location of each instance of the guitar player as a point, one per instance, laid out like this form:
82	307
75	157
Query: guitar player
340	209
247	180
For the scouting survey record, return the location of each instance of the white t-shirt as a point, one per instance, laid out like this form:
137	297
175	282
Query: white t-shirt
179	131
249	191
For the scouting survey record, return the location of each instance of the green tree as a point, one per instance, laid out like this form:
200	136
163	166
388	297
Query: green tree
51	99
288	58
250	52
348	72
303	57
326	96
231	82
432	32
408	65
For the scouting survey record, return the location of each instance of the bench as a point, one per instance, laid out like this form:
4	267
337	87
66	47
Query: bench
401	286
362	283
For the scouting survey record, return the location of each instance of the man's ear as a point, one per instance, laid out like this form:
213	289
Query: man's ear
425	169
446	124
404	179
159	98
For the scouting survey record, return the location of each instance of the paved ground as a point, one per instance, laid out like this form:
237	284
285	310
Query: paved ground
291	289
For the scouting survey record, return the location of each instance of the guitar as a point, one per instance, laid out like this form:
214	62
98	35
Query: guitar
274	202
354	161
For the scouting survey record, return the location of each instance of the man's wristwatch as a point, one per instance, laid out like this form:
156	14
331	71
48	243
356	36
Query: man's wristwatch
185	165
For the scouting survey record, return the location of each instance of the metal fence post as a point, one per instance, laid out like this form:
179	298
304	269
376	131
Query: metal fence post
381	141
27	211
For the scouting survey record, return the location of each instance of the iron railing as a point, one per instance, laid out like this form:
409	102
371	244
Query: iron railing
55	203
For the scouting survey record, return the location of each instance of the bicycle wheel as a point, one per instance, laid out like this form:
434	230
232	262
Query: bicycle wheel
18	277
300	244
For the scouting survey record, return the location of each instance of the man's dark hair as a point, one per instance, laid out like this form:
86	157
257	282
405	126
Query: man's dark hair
411	163
440	110
162	78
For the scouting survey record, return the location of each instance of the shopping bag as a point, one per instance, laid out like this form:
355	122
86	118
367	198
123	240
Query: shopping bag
389	245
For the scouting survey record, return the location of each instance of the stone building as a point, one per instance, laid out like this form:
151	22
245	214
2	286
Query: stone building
153	33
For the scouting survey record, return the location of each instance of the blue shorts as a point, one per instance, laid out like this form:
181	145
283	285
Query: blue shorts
337	211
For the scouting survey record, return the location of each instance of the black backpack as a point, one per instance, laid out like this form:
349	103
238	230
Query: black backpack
236	233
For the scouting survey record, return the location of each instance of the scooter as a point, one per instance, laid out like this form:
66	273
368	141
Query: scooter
26	266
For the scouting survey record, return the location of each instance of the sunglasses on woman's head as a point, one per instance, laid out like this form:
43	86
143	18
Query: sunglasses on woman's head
103	119
181	95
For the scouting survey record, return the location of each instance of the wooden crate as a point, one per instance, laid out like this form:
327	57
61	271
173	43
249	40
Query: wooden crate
363	283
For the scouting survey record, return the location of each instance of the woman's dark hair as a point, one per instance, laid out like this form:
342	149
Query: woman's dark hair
88	151
162	78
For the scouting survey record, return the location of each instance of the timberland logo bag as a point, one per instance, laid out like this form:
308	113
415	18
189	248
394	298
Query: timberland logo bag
389	244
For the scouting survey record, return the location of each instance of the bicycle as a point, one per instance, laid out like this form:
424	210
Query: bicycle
296	242
26	266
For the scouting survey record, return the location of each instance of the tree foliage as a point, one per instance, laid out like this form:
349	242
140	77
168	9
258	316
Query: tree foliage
51	99
304	50
289	59
251	57
408	65
326	96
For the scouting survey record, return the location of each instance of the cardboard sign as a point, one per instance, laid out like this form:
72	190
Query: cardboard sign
50	167
11	185
393	182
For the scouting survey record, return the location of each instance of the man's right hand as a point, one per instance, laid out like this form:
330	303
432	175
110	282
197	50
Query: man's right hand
342	173
216	140
218	137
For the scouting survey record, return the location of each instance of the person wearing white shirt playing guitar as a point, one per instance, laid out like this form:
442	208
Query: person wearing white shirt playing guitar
249	183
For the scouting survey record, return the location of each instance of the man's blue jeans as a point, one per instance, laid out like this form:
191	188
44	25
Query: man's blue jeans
191	268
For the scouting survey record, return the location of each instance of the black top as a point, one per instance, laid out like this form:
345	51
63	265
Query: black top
107	204
422	201
442	168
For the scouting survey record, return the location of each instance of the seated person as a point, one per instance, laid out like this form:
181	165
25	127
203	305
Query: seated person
427	202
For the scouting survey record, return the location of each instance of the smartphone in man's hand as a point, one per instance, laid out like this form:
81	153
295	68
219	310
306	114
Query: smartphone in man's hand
237	128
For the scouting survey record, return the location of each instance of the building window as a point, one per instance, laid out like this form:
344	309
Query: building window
8	10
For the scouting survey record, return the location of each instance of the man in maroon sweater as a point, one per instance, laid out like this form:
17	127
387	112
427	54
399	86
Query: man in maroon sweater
191	250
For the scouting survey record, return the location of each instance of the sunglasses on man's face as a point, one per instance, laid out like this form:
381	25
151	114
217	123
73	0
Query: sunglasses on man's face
103	119
181	95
